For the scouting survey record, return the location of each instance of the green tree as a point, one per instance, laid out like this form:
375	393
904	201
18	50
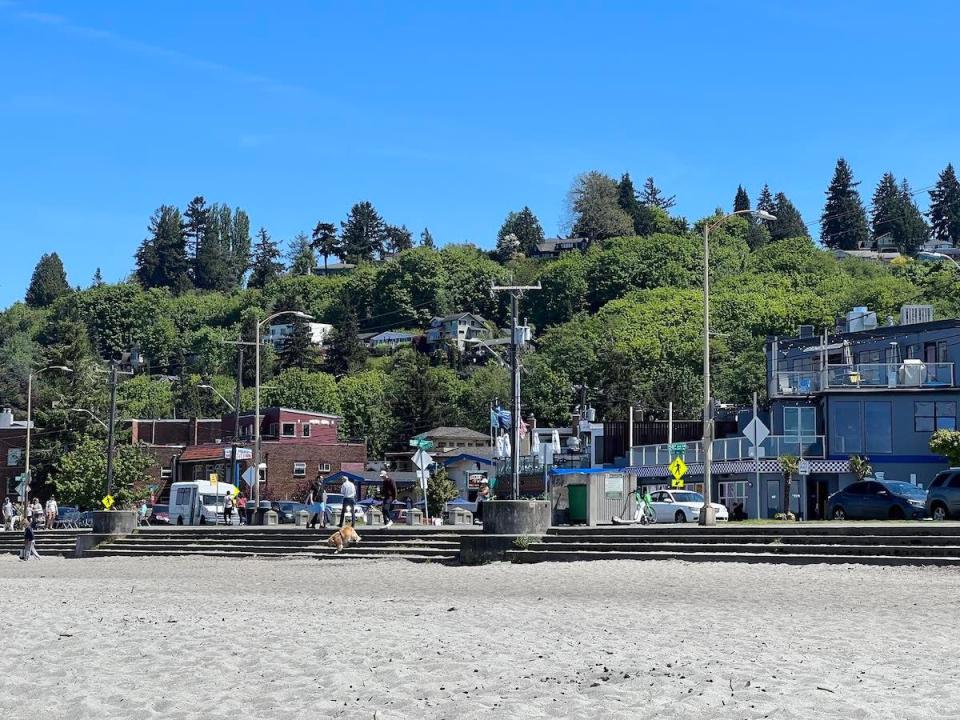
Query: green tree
346	352
363	234
366	412
397	239
945	207
303	390
914	231
758	235
426	239
80	477
267	266
145	397
162	257
508	247
887	210
440	490
860	467
48	283
300	256
223	255
843	224
651	196
324	241
594	203
765	202
947	443
788	223
647	219
298	349
97	280
525	227
195	219
741	201
790	464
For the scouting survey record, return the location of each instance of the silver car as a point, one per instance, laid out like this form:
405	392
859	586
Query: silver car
943	495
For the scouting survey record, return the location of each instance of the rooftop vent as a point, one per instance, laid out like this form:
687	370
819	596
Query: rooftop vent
913	314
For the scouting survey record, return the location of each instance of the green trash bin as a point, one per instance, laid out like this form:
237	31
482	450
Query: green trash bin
577	496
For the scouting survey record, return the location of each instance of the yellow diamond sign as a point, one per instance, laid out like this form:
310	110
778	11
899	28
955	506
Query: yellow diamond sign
678	468
676	483
108	502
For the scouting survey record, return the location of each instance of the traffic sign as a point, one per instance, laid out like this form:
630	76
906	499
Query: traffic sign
421	443
422	459
678	468
678	447
804	467
214	478
108	502
756	432
676	483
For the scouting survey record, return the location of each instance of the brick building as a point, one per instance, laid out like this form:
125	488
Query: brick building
13	442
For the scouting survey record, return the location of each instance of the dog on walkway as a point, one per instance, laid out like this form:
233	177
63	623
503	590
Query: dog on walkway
343	537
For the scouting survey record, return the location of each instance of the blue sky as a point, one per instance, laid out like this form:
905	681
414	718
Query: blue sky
446	114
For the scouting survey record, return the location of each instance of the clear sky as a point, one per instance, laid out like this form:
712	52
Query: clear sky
446	114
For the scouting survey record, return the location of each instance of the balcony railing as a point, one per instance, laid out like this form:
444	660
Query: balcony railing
533	464
736	448
866	376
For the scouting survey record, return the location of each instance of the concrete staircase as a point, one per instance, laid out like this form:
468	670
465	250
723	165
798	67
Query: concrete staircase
421	544
916	543
49	542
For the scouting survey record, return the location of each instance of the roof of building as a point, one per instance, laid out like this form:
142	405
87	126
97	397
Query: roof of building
460	316
199	453
550	244
879	332
264	410
469	457
454	433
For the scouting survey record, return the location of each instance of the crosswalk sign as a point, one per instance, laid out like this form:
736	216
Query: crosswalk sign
678	468
108	502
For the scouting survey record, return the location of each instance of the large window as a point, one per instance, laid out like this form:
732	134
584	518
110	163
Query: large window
930	416
299	469
289	429
845	427
800	421
733	492
878	426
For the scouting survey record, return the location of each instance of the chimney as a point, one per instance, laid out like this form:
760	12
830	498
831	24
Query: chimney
6	418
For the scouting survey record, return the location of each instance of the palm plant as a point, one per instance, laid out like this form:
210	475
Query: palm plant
860	467
790	464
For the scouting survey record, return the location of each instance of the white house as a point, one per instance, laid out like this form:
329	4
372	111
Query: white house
279	333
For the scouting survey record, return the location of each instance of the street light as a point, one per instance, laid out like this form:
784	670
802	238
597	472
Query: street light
708	515
92	416
26	460
211	388
256	412
941	256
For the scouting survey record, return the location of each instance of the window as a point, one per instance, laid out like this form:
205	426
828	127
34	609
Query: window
845	428
913	351
165	473
799	421
299	469
324	467
306	430
869	356
942	351
954	482
878	426
930	416
732	493
859	488
273	429
289	429
15	456
183	496
940	480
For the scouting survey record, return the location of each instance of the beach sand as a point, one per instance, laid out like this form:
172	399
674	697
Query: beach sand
297	638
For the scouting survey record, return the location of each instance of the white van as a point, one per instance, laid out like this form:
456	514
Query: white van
199	503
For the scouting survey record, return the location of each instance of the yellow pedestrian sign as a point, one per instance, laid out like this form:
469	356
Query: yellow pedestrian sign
108	502
678	468
214	479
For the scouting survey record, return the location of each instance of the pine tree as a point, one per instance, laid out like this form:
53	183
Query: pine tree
644	217
525	228
742	201
346	352
426	239
300	256
944	211
162	257
213	267
887	210
651	196
843	224
508	247
97	279
788	224
324	241
298	349
239	248
48	283
915	231
266	261
765	202
398	239
195	217
758	235
363	233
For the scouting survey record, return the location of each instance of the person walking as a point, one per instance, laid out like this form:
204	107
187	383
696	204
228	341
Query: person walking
51	511
349	492
388	492
242	508
228	510
8	514
29	544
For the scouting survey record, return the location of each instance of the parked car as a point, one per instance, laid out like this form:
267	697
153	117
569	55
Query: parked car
335	505
943	495
878	500
159	515
682	506
287	510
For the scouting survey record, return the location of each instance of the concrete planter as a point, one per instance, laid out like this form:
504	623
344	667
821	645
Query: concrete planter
114	522
516	517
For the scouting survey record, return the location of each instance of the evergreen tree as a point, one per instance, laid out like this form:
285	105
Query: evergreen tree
758	235
944	211
426	239
363	233
239	249
843	224
213	265
195	225
915	231
525	228
346	352
49	282
651	196
765	202
788	224
742	201
508	247
266	261
298	349
594	201
162	257
887	210
324	240
97	279
300	256
398	239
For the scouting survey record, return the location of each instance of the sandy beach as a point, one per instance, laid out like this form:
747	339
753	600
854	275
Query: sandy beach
198	637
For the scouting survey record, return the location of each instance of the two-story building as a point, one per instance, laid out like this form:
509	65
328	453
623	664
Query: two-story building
459	328
387	340
13	442
867	390
279	333
552	248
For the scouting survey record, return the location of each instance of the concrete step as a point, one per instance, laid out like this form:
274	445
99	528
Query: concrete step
184	548
716	539
754	548
351	553
885	528
528	556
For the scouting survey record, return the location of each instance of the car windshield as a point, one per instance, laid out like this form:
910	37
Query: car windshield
905	489
213	499
687	497
334	499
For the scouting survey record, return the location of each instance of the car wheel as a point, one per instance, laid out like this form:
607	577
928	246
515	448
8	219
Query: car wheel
839	513
939	512
180	520
896	513
680	517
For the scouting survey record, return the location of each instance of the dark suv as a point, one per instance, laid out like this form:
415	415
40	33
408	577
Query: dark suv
943	495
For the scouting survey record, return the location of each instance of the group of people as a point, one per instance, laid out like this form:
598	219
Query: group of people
317	501
32	515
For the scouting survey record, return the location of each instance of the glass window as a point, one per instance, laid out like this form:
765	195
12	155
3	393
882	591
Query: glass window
289	429
299	469
857	489
930	416
913	351
845	429
14	456
306	430
799	421
942	351
939	480
954	482
869	356
878	426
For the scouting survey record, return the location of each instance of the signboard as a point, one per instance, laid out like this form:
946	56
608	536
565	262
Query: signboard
804	467
214	478
475	479
678	468
613	485
756	432
108	502
422	459
247	476
584	426
678	447
421	443
242	453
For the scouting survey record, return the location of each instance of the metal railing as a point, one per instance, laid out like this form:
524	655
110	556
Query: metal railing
870	376
533	464
736	448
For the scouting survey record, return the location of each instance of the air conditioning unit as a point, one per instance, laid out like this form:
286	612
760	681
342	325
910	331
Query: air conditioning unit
913	314
911	373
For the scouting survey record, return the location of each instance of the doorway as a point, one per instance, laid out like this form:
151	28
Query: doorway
817	493
773	497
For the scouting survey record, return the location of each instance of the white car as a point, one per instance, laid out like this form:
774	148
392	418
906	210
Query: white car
682	506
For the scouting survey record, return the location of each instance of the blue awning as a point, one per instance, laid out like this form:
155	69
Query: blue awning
582	471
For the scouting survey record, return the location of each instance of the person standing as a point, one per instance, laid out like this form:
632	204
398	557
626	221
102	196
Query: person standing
51	510
482	496
29	544
242	508
388	492
349	492
8	513
228	509
37	512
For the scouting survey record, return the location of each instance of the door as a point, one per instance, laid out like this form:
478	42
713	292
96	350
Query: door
817	491
773	498
577	496
875	501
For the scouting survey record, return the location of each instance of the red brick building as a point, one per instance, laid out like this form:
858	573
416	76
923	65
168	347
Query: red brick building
13	443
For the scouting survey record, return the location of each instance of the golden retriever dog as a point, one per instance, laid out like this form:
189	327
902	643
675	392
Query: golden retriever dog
342	537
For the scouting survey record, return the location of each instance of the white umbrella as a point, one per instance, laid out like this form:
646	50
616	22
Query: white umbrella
535	448
498	450
507	451
555	441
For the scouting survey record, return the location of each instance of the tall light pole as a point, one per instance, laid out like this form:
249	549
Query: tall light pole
943	256
708	516
26	459
256	412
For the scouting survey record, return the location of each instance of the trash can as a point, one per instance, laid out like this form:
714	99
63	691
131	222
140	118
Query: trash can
260	512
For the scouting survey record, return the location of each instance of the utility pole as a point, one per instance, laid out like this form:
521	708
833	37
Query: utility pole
516	291
240	344
113	422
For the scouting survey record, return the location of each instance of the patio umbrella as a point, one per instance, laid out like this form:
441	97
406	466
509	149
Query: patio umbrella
555	441
535	445
507	450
